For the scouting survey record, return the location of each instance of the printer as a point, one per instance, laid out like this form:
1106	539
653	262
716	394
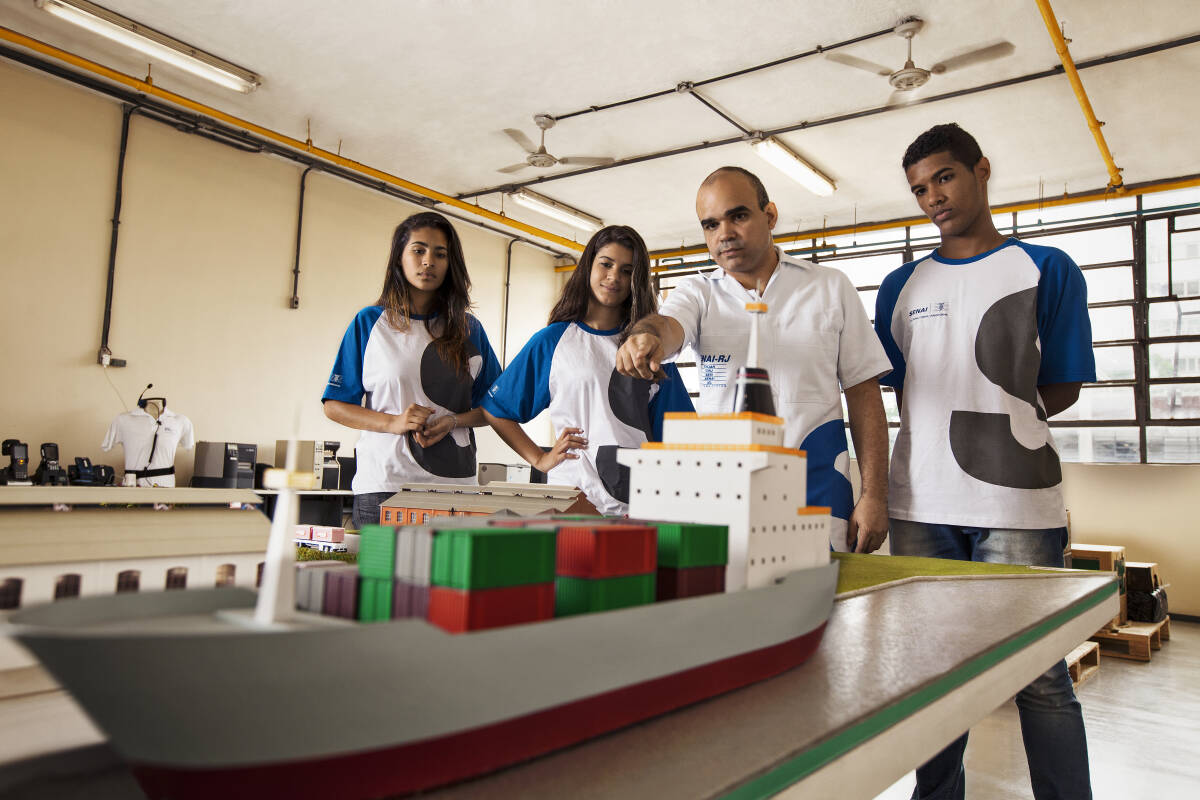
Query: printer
227	465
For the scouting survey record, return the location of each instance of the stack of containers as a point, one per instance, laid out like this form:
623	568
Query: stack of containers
603	566
691	559
414	554
489	577
311	579
376	571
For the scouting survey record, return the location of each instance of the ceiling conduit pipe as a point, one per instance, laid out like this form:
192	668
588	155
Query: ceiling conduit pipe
299	231
504	300
1115	182
21	40
104	355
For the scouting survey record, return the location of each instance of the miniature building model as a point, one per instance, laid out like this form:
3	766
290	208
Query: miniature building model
730	469
417	503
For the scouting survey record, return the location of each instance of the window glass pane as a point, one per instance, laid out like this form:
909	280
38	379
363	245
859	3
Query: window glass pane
1189	223
1175	360
918	253
1076	211
1101	402
1185	263
1003	222
868	270
1178	197
1111	283
1110	324
1091	247
1156	258
1097	444
1172	444
889	406
868	300
1175	401
1114	363
1175	319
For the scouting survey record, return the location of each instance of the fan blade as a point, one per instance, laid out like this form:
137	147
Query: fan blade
587	161
520	139
992	51
859	63
514	167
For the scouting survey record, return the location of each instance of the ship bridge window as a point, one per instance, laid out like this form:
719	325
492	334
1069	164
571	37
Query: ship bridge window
10	593
67	586
226	574
176	578
128	580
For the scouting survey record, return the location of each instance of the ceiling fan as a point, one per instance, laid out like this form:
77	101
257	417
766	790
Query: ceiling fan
910	76
538	157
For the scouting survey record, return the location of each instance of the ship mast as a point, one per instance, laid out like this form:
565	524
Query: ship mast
753	392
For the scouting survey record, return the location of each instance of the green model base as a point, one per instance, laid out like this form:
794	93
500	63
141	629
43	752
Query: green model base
585	595
683	545
488	558
861	571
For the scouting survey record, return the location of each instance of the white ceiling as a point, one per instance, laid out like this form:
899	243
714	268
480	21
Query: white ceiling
423	88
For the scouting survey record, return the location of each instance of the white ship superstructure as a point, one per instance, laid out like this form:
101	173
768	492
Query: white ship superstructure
732	469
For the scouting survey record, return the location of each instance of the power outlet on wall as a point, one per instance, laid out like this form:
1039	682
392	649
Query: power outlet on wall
105	359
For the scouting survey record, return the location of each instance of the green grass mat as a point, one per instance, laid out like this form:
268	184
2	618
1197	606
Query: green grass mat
861	571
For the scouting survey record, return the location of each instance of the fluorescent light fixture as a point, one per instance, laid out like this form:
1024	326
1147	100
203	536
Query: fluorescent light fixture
158	46
779	156
556	210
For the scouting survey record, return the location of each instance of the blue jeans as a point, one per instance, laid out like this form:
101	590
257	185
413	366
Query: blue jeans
1051	717
366	508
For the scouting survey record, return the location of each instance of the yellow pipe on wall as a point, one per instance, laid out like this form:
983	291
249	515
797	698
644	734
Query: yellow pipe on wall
1026	205
1115	182
84	64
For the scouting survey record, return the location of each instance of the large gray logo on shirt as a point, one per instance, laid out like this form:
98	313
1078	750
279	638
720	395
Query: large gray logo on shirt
629	399
446	458
1007	354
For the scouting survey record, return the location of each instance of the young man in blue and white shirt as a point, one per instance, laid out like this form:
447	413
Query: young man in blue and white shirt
988	338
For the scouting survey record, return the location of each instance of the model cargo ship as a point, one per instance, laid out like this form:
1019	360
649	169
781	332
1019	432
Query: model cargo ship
508	653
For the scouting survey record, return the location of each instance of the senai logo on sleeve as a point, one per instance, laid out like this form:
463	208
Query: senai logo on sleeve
928	310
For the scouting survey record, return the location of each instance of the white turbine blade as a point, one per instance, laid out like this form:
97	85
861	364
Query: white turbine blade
859	63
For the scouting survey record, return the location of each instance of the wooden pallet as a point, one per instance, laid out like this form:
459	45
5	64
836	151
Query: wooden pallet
1083	662
1134	640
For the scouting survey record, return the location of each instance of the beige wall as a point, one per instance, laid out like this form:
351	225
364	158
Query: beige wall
1152	510
203	279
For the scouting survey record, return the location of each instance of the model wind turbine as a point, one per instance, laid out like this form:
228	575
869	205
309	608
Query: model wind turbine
753	382
277	594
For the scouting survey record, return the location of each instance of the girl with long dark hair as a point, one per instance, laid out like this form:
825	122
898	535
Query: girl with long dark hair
567	367
412	369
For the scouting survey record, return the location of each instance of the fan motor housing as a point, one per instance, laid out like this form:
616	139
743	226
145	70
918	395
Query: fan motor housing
909	78
541	160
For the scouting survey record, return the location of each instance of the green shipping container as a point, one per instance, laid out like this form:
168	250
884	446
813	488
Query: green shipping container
375	599
584	595
488	558
377	552
683	545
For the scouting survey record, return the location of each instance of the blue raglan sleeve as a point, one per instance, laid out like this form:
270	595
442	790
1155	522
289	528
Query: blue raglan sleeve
1064	327
346	379
672	395
885	307
523	390
490	370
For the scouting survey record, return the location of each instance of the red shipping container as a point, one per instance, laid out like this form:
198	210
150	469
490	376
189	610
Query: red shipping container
606	551
674	583
458	610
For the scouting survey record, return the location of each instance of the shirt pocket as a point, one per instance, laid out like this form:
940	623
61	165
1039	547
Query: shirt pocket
806	361
718	358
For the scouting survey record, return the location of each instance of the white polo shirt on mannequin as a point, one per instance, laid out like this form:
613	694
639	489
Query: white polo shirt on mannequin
135	432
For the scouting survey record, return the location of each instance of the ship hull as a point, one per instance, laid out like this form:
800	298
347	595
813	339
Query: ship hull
202	707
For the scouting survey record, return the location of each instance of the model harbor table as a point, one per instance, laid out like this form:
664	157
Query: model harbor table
903	670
